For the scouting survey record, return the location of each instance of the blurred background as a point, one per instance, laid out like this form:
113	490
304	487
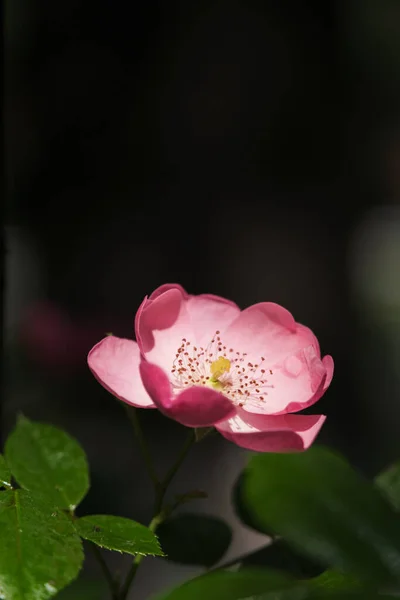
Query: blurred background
249	149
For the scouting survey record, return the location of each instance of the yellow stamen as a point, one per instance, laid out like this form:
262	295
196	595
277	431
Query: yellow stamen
219	367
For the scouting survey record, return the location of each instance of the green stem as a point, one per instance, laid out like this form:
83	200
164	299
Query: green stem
134	419
136	563
159	514
163	486
113	585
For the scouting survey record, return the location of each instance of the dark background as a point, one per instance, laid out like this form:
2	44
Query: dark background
247	149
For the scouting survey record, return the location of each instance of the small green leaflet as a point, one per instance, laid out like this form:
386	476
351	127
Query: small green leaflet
120	534
45	459
40	552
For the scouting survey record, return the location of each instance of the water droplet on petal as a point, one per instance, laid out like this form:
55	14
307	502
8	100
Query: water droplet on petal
293	366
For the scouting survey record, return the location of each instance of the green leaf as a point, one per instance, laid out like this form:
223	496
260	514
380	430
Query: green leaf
241	509
389	482
194	539
259	584
326	510
331	580
45	459
279	555
40	552
5	475
240	585
343	595
120	534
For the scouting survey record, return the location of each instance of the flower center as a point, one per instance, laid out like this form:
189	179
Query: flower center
219	367
222	368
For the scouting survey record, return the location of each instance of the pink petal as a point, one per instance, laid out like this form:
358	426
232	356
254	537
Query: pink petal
297	381
115	364
329	367
157	385
285	433
219	299
161	323
168	286
209	314
268	330
194	407
201	406
165	288
158	315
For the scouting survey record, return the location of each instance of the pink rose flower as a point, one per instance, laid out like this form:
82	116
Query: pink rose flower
203	362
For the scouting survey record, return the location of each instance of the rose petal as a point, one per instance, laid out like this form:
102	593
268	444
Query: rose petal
297	381
209	314
115	364
163	322
297	405
285	433
218	299
157	315
329	368
194	407
165	288
157	384
269	330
